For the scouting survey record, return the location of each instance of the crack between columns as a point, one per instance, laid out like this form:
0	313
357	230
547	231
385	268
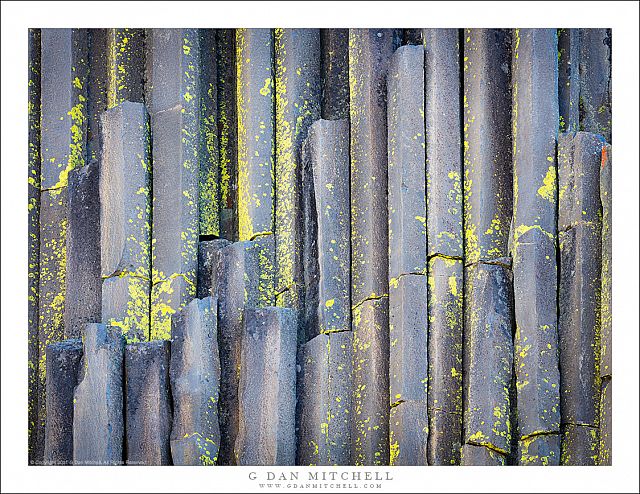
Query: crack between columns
122	274
576	225
331	331
396	403
260	234
444	256
490	262
490	447
370	297
539	433
173	277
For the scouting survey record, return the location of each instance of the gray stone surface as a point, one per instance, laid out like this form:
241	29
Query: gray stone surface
370	432
98	415
256	133
579	324
147	403
536	337
125	191
595	81
539	450
488	357
83	281
406	162
208	254
126	66
327	238
446	286
168	297
606	423
370	52
298	94
63	364
408	339
442	139
605	315
195	384
335	73
579	445
99	70
569	79
409	434
481	456
445	436
267	388
579	161
324	404
487	143
125	304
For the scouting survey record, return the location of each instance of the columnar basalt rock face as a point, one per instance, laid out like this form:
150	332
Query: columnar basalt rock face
267	388
569	79
195	384
335	73
208	256
147	403
98	415
125	64
63	365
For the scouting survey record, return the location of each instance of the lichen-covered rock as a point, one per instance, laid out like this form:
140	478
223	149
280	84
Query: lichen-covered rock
409	433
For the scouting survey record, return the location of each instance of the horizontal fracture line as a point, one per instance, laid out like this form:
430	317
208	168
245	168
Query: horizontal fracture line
579	223
396	403
445	256
490	447
539	433
122	274
330	331
53	188
379	297
490	262
580	425
412	273
260	234
173	277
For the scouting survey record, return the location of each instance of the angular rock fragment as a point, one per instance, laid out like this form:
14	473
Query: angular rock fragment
472	455
63	364
406	173
267	388
445	435
195	384
409	433
148	403
488	362
539	450
335	73
442	139
579	446
98	416
325	409
408	333
208	254
327	236
595	81
83	281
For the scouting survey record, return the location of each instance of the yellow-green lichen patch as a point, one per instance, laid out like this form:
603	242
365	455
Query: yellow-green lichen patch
549	184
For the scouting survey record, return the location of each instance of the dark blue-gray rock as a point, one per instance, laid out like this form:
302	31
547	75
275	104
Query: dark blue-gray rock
98	415
579	445
445	436
605	302
335	73
324	406
569	79
298	94
327	239
195	384
63	364
406	162
606	423
579	324
97	89
579	161
595	81
408	335
83	281
267	388
125	304
126	66
256	132
488	357
442	139
409	434
445	302
370	52
208	254
481	456
148	403
487	143
536	338
539	450
412	36
370	429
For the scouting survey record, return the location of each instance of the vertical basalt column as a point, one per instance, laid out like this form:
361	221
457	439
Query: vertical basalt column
173	99
335	73
595	81
98	415
579	329
444	242
604	455
126	66
63	364
534	236
227	131
125	217
209	207
208	255
33	194
147	403
297	98
408	326
487	206
97	90
195	384
267	388
370	51
83	281
62	149
569	79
